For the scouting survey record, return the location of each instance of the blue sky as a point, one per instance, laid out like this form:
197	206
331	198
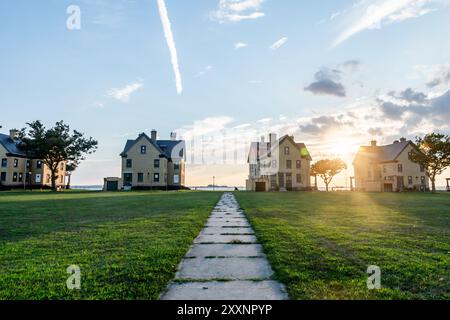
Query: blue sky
113	78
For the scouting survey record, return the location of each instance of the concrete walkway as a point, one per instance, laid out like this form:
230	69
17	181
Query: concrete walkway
225	262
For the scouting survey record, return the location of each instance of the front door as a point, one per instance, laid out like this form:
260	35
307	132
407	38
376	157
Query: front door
128	179
388	187
400	185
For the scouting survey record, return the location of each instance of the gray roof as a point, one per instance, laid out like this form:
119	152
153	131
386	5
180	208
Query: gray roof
385	153
263	148
165	147
11	146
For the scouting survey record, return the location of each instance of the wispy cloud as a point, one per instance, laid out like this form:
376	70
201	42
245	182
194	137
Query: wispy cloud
124	94
238	10
279	43
374	14
240	45
204	71
171	44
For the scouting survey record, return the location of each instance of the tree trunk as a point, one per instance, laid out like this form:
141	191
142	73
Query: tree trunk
68	181
433	184
315	183
326	184
54	177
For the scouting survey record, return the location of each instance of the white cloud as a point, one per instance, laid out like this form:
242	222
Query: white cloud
124	93
171	44
204	71
238	10
279	43
374	14
240	45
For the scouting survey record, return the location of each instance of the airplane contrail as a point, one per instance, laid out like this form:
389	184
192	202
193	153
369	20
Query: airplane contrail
170	43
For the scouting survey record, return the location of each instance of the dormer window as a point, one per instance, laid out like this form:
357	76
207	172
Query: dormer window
143	149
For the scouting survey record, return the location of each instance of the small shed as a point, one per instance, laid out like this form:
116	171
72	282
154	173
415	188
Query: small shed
112	184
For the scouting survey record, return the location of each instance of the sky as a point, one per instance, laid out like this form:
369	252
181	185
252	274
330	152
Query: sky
335	74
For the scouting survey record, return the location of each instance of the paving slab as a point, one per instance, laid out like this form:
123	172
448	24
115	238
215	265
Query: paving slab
229	290
227	268
213	222
220	238
225	250
220	230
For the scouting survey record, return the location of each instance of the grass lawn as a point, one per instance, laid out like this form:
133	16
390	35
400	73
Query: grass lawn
320	244
127	245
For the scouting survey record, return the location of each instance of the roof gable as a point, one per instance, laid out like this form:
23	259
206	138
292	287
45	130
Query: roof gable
164	147
11	146
385	153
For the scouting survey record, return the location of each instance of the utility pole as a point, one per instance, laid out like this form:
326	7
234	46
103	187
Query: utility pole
214	183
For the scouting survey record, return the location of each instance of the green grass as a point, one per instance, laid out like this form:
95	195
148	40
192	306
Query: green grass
128	245
320	244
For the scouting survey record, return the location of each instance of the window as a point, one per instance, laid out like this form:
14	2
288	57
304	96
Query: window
289	164
410	180
299	164
129	163
4	162
28	163
176	179
286	150
16	163
423	180
21	177
39	164
38	178
384	169
143	149
176	166
422	168
156	177
156	163
274	164
400	167
15	177
140	177
299	178
3	176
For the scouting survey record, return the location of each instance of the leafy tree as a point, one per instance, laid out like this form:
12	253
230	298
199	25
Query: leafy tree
56	145
70	168
327	169
433	153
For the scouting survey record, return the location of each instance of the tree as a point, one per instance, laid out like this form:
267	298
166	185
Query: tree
433	153
55	145
327	169
70	168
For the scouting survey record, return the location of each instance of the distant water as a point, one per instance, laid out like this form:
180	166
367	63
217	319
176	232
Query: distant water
216	188
88	188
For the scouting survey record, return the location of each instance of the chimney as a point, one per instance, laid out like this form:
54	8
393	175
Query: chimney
396	141
402	139
173	136
14	134
154	134
273	138
373	143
